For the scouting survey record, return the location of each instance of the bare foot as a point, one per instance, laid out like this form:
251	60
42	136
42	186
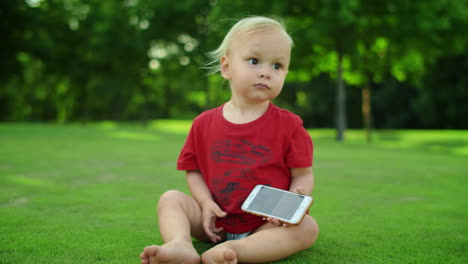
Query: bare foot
220	255
173	252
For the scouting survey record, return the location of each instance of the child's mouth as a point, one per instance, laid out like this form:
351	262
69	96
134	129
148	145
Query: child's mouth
261	86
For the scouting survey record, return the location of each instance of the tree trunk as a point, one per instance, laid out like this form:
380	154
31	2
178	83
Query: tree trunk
340	101
366	111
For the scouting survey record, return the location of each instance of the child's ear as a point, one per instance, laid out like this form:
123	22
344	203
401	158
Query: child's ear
225	71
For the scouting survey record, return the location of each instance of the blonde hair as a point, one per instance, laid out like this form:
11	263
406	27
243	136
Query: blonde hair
245	26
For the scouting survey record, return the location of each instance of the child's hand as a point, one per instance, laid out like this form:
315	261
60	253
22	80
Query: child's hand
299	190
210	211
275	221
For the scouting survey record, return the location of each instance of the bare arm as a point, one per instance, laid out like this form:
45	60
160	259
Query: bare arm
302	180
198	188
210	210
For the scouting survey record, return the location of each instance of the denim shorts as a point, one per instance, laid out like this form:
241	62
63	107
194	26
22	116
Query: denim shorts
230	236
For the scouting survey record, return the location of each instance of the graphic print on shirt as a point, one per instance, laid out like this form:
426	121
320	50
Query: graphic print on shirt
232	188
239	151
230	191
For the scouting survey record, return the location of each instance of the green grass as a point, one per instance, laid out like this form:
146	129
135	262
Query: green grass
87	194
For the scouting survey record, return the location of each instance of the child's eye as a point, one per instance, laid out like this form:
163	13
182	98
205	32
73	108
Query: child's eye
276	66
253	61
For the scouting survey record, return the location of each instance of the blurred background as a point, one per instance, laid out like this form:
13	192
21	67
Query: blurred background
356	63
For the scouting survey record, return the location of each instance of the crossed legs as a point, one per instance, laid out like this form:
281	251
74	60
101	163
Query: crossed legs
180	218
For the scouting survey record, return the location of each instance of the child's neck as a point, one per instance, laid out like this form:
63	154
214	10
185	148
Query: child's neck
241	113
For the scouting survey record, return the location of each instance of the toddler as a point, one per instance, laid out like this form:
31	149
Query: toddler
230	149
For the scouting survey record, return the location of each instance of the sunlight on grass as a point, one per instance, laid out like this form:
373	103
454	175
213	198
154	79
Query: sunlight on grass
171	126
108	125
26	181
134	135
443	141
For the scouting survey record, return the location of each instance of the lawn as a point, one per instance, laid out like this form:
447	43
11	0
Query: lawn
87	194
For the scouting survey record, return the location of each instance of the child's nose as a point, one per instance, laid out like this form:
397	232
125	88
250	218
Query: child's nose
264	72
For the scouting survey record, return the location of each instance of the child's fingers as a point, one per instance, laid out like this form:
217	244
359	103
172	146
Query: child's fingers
273	221
214	237
211	230
218	229
299	190
210	234
210	212
277	222
207	228
220	213
144	259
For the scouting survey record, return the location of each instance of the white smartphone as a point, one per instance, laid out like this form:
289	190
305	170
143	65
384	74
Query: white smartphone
283	205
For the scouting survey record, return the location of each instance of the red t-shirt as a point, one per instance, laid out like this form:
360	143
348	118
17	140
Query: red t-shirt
234	158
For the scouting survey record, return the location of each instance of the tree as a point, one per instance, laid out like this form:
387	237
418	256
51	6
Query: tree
126	60
328	30
375	38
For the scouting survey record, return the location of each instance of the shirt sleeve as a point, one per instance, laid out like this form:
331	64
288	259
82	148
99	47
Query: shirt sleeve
187	158
301	149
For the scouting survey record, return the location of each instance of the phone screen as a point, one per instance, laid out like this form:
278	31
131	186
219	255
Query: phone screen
276	203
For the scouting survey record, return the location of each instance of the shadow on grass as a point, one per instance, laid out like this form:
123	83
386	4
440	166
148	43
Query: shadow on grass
389	136
202	246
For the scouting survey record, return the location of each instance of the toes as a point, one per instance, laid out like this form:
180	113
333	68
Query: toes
150	251
144	258
220	256
229	256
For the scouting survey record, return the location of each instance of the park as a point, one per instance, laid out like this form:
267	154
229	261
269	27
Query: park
97	99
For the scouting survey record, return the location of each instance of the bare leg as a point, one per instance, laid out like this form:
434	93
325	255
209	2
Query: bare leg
179	218
268	243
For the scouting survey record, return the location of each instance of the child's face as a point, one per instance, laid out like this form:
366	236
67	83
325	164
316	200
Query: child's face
256	65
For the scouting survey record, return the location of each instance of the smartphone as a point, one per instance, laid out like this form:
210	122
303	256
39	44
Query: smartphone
283	205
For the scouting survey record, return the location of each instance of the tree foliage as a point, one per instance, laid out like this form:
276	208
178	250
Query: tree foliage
76	60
